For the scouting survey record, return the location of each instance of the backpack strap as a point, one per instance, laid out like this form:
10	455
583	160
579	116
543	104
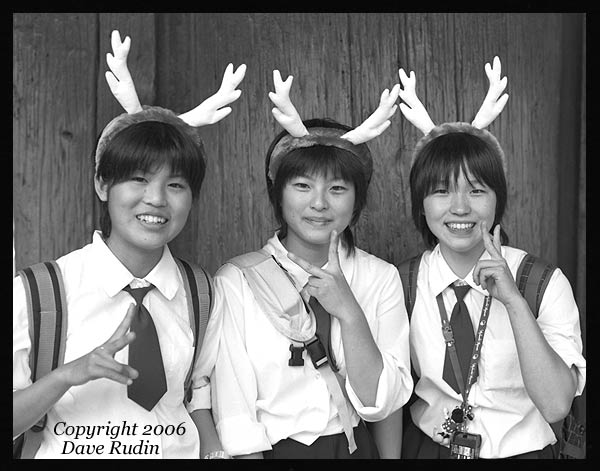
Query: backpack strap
409	270
199	289
47	317
532	278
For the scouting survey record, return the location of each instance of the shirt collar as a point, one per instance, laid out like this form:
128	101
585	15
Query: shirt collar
441	275
276	248
113	276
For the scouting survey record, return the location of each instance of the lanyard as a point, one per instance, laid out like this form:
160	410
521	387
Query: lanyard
465	387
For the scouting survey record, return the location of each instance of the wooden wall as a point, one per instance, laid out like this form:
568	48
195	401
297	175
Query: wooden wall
341	62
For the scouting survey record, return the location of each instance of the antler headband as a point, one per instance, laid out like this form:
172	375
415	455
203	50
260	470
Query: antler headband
210	111
299	136
492	106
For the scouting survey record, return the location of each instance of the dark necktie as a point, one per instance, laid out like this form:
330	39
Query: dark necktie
145	356
464	339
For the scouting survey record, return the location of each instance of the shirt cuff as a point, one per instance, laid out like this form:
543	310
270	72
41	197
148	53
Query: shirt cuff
242	436
200	398
392	392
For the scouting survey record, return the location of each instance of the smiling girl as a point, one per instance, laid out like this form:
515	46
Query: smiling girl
491	377
306	358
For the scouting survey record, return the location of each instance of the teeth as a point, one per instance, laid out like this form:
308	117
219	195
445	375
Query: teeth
151	219
460	226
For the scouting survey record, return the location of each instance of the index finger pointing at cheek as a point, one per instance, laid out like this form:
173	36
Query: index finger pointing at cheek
334	258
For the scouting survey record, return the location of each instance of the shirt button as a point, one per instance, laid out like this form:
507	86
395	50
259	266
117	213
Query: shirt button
317	376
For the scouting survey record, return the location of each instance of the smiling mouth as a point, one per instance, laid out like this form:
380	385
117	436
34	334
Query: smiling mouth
318	221
148	219
460	226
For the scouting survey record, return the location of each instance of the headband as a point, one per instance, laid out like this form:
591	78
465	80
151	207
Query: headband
492	106
299	136
210	111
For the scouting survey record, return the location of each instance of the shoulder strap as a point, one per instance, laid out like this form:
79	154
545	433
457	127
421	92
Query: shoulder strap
198	287
409	270
47	314
532	278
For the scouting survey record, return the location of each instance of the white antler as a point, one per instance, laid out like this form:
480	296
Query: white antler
284	112
379	121
211	110
412	108
118	78
493	104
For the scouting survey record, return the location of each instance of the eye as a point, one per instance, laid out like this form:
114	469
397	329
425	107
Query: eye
339	188
178	185
300	185
439	191
138	178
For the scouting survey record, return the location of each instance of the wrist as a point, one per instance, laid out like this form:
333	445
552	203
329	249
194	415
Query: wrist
217	455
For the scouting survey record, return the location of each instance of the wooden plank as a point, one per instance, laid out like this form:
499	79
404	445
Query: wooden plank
52	111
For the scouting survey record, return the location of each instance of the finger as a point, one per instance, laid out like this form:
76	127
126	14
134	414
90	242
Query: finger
118	344
334	257
497	239
306	266
109	363
487	241
124	325
115	40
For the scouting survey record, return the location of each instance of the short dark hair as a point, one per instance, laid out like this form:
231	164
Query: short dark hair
441	160
319	160
146	146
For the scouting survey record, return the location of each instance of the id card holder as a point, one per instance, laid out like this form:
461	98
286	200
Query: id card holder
465	446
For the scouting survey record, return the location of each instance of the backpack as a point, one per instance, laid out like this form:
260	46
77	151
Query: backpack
532	279
47	310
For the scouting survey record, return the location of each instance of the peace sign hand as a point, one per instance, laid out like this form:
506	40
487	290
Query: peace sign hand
100	362
493	274
329	286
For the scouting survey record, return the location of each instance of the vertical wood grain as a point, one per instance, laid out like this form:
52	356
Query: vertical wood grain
55	57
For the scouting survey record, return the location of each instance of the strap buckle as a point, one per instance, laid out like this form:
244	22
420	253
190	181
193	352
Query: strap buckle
316	351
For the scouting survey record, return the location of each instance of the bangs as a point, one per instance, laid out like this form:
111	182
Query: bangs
325	161
445	157
147	147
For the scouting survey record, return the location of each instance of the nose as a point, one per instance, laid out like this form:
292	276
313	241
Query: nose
460	203
155	194
318	200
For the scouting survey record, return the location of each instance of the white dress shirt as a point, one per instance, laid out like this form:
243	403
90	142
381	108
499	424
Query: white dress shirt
258	399
93	279
504	414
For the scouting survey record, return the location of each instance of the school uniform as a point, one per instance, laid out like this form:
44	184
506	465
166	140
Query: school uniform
503	413
94	279
260	401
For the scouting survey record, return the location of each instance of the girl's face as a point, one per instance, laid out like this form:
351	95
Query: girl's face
312	207
454	215
147	211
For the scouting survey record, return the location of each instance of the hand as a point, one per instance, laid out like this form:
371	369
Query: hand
213	109
493	274
100	362
119	79
284	112
329	286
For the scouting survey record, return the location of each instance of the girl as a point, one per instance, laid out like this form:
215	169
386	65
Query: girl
315	333
520	373
150	165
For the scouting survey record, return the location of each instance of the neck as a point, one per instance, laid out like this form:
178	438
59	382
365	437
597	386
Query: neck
461	263
138	264
317	255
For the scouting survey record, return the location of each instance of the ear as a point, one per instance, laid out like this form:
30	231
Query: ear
101	188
